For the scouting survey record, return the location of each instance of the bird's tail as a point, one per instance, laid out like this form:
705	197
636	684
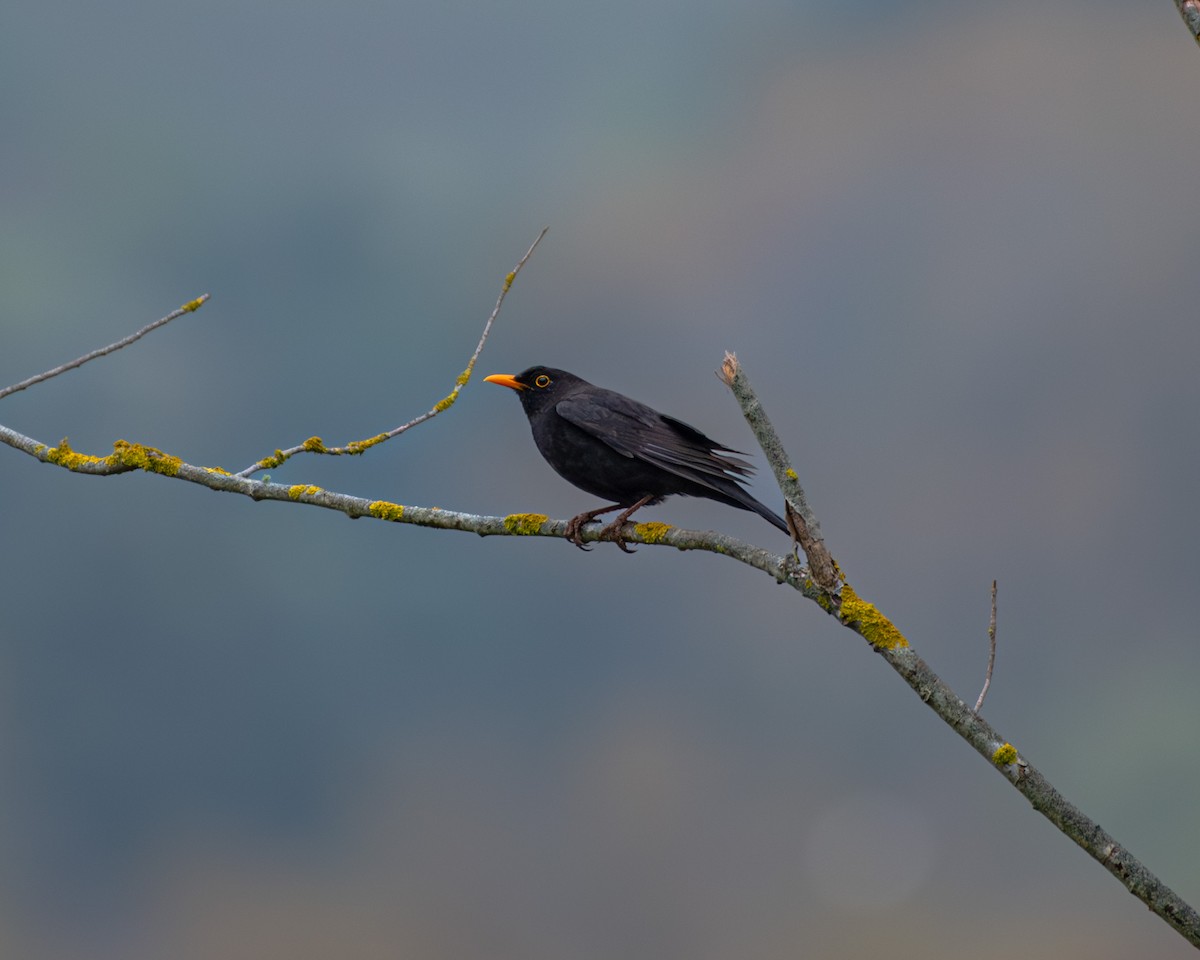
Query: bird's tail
736	496
767	513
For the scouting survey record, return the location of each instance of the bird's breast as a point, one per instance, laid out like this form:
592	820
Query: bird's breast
592	465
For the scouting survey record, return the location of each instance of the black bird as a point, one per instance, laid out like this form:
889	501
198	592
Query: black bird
624	451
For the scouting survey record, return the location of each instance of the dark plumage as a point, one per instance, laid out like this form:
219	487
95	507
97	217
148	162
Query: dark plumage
626	452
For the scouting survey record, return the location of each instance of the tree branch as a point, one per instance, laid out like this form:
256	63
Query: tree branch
190	307
1190	11
127	457
866	620
803	522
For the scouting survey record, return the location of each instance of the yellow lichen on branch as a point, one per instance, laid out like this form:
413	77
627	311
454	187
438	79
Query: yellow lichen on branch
269	463
384	510
125	454
145	458
652	532
355	447
524	524
64	456
865	618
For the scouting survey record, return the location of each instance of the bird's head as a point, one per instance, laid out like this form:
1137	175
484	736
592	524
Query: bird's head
538	387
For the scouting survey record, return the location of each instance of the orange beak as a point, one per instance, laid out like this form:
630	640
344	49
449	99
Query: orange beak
506	380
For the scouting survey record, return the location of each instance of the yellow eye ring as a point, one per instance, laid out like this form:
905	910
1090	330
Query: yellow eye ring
541	380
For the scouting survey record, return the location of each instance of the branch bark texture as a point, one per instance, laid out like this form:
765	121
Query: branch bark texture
1190	11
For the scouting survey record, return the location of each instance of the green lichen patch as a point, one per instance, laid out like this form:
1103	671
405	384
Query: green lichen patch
652	532
384	510
524	524
314	445
1005	755
865	617
446	402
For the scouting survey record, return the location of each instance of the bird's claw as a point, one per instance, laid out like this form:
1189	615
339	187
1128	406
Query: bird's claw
574	525
610	532
613	532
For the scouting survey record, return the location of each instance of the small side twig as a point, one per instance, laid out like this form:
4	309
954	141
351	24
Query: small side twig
190	307
987	680
354	447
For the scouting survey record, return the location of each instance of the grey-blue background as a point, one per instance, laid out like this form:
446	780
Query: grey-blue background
955	247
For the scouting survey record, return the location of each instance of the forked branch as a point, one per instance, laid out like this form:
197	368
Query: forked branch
354	447
866	620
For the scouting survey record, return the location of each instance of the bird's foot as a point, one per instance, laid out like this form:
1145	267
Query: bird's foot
612	532
575	525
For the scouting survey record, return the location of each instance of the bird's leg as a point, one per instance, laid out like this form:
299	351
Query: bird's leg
575	523
613	530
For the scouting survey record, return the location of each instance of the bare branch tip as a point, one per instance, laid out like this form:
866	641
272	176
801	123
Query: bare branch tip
528	253
991	666
729	368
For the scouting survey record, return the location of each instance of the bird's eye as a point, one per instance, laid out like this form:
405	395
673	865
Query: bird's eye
541	380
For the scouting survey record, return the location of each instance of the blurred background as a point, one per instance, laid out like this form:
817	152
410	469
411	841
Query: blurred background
954	246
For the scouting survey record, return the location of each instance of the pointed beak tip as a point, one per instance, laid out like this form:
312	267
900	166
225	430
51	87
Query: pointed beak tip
505	380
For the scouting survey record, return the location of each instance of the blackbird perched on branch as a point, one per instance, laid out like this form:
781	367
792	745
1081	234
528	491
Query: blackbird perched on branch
626	452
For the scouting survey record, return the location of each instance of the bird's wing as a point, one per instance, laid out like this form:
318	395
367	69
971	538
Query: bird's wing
637	431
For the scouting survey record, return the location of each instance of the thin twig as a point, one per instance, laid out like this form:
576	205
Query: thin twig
315	445
987	680
190	307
